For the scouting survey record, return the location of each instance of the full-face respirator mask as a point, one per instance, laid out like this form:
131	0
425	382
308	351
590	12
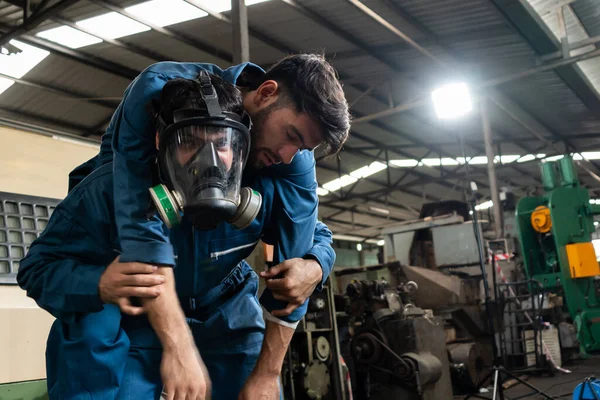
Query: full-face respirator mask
201	158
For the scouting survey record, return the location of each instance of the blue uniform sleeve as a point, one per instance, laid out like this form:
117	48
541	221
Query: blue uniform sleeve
55	274
142	239
294	221
322	251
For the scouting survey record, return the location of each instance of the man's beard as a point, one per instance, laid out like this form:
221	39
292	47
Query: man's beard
257	135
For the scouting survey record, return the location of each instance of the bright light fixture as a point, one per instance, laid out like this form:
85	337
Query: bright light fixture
113	25
594	201
380	242
5	83
484	205
338	183
404	163
506	159
69	37
368	170
590	155
17	65
322	192
452	101
224	5
166	12
530	157
596	223
359	247
380	210
554	158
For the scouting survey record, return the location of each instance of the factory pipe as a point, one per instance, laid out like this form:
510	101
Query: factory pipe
489	152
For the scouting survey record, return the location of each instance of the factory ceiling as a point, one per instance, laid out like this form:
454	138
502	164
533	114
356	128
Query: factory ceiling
531	66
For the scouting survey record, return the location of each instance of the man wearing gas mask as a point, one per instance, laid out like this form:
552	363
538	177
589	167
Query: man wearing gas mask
213	211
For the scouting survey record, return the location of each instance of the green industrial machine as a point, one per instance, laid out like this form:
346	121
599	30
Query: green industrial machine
555	234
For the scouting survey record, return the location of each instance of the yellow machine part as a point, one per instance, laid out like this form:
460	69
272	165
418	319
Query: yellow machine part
540	219
582	260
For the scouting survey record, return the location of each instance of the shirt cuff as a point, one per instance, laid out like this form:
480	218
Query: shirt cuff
155	253
270	317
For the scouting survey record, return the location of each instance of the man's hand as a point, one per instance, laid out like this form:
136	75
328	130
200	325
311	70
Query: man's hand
183	374
260	387
120	281
298	279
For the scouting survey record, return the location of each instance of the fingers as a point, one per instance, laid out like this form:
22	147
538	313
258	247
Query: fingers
286	311
276	270
143	280
281	297
278	284
137	268
127	308
140	291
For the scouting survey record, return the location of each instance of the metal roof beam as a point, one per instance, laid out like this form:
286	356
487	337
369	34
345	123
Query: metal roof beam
532	28
447	53
34	20
87	59
46	120
63	92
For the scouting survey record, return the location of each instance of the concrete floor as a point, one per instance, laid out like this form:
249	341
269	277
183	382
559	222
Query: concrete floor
560	386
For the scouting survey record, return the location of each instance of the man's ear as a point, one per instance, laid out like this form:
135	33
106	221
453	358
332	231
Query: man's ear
267	93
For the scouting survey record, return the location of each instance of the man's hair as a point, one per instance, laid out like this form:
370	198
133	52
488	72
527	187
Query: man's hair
183	93
310	84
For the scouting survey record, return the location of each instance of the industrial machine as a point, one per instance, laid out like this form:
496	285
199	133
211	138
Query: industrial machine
556	246
399	350
313	366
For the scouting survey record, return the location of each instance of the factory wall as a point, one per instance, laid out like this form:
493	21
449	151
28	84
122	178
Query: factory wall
33	165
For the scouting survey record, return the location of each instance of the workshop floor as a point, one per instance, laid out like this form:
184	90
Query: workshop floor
560	386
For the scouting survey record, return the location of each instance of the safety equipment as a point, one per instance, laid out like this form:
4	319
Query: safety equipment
201	158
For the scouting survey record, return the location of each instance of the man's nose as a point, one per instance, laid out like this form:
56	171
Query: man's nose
286	153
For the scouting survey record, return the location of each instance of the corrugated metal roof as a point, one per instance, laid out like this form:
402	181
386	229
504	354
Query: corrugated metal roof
474	31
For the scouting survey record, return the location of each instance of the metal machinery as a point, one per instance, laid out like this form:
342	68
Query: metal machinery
398	349
439	253
313	365
555	235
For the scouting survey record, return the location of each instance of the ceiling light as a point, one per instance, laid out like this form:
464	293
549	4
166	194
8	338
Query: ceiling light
5	84
506	159
554	158
596	223
380	242
113	25
17	65
452	101
404	163
322	192
484	205
530	157
380	210
166	12
590	155
69	37
338	183
368	170
359	247
223	5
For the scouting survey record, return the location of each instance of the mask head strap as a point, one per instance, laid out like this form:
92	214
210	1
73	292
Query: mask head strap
209	95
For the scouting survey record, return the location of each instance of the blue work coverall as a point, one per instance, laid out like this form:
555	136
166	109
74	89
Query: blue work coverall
217	289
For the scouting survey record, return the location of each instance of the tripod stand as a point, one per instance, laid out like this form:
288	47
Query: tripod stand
498	371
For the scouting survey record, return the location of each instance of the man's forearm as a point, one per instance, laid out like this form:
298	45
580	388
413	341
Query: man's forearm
275	344
166	316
